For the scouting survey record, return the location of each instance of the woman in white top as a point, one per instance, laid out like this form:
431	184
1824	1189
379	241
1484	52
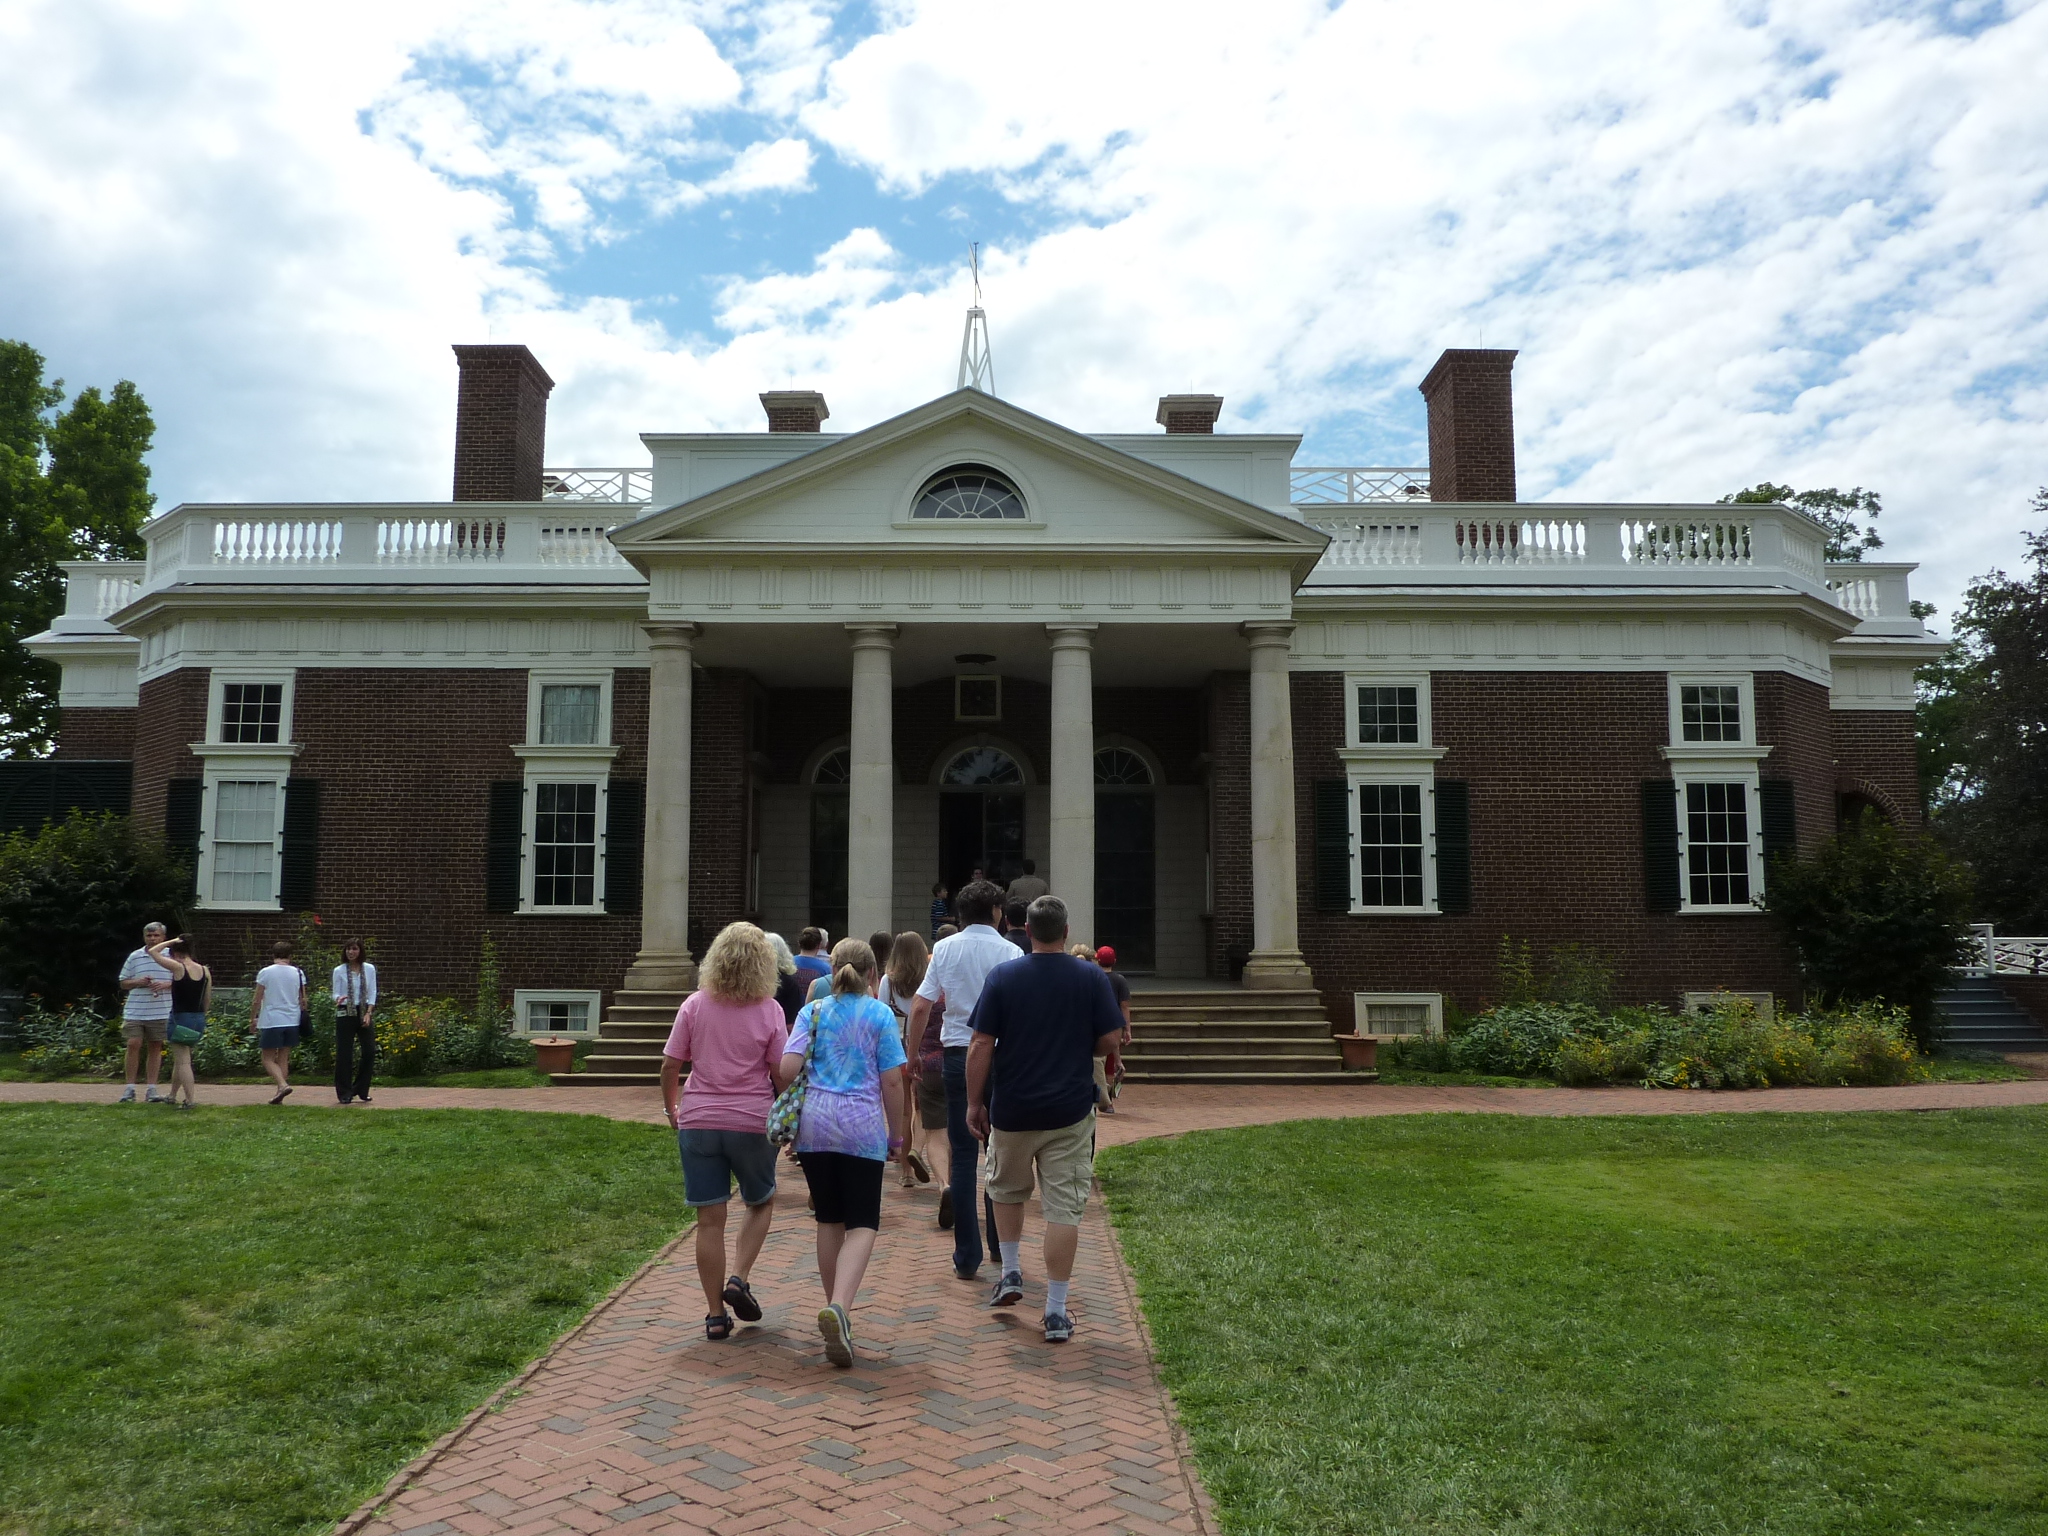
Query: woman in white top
355	999
274	1015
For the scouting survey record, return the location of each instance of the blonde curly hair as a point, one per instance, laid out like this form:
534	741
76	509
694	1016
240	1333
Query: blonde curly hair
739	967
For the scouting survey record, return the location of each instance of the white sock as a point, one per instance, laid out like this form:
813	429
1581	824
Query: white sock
1013	1259
1056	1296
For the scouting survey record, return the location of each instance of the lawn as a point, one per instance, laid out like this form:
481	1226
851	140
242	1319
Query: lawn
1798	1323
12	1071
244	1320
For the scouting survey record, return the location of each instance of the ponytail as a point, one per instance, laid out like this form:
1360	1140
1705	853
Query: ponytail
852	959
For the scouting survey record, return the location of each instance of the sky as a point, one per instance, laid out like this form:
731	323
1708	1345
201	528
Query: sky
1802	242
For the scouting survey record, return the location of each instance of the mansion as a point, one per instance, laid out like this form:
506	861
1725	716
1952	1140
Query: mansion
1258	723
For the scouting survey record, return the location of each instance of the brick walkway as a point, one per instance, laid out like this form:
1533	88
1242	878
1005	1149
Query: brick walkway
956	1418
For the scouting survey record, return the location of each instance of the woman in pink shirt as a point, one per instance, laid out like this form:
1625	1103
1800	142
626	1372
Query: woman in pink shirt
731	1033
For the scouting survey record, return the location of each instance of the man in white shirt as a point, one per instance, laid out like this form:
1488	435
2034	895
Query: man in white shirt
953	982
145	1011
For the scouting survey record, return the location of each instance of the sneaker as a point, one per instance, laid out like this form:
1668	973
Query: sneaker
919	1168
837	1329
1009	1290
945	1206
362	1098
127	1095
153	1097
185	1104
1058	1327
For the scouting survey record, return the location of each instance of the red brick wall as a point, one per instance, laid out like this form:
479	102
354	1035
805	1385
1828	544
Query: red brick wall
501	420
171	713
100	734
1554	761
1874	749
2031	993
1792	718
1471	425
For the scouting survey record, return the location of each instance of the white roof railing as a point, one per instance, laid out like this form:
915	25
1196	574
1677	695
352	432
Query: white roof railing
1356	486
623	485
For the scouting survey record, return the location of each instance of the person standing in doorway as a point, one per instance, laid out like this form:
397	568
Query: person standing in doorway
191	997
942	909
951	987
1038	1027
1105	1090
354	987
1026	888
852	1122
1013	926
274	1016
732	1034
145	1010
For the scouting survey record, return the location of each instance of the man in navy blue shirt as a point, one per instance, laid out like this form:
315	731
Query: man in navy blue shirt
1038	1027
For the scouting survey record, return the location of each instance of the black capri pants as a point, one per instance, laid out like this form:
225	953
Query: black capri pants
845	1191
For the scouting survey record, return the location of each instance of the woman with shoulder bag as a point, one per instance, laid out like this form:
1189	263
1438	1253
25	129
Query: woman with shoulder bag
355	999
191	996
275	1013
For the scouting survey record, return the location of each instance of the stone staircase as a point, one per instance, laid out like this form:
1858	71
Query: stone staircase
629	1042
1233	1036
1983	1017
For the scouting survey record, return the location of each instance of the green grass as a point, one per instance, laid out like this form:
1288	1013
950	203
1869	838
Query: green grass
1409	1077
12	1071
1947	1069
1742	1323
244	1320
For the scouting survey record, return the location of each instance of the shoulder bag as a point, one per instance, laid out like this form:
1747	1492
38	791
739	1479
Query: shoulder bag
788	1107
305	1010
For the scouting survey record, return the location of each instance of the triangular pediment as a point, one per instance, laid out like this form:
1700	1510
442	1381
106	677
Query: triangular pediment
1081	496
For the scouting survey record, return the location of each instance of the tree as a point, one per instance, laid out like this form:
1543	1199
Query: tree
1876	914
1848	516
74	897
73	486
1984	738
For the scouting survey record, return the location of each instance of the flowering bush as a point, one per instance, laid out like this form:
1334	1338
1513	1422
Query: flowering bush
407	1032
1868	1045
73	1042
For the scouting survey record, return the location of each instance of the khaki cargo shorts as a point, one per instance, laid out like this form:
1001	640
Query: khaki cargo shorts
1064	1160
158	1030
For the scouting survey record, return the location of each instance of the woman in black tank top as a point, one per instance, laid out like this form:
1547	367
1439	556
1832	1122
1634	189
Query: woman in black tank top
191	995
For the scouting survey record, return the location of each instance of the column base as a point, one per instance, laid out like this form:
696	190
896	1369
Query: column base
1277	970
656	972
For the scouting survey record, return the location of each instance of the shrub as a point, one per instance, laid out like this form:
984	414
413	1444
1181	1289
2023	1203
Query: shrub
1586	1059
71	1042
1572	974
1869	1045
408	1031
1519	1039
73	899
1416	1053
228	1048
1876	914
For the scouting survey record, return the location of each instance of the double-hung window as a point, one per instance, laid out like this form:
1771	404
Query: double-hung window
568	756
1390	795
1715	757
248	756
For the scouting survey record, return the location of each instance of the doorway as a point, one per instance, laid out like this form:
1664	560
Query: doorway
830	825
981	817
1126	901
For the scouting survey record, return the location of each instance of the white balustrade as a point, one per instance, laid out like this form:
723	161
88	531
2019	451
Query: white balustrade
1335	486
1520	541
625	486
294	542
1371	544
2019	957
440	541
578	544
1702	542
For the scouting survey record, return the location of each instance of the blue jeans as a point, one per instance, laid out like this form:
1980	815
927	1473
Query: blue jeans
967	1250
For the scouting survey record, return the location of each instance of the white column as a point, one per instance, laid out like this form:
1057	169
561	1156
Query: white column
871	794
1276	960
1072	844
664	963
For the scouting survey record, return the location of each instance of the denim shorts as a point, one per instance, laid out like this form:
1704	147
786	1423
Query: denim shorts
282	1039
713	1159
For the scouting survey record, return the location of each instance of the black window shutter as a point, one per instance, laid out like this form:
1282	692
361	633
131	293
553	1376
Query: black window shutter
503	835
1333	845
301	845
1453	846
625	825
182	801
1660	845
1777	807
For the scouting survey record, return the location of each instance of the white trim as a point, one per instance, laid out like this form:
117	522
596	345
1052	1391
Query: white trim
521	996
1107	740
586	677
956	457
1390	771
1002	744
252	673
1434	1001
549	771
244	766
1424	736
1730	770
1745	685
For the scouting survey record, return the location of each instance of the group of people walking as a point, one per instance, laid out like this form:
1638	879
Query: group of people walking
993	1047
167	994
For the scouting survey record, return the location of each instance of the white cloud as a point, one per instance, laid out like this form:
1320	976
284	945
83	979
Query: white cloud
1731	241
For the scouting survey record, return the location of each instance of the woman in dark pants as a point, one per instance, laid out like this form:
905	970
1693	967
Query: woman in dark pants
355	1040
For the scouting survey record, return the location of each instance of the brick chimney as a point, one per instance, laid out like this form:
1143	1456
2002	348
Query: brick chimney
1471	425
795	410
501	423
1189	413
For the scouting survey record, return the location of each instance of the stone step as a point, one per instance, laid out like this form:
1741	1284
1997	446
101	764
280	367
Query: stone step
1268	1050
1277	1079
1155	1067
664	1017
612	1029
604	1080
1195	1029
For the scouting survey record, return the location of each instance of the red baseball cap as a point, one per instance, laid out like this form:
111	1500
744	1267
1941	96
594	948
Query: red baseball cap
1105	956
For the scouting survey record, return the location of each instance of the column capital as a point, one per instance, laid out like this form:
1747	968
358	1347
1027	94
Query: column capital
1267	632
873	636
1072	637
666	635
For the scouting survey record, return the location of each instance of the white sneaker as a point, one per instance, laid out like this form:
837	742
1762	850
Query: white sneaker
127	1095
153	1097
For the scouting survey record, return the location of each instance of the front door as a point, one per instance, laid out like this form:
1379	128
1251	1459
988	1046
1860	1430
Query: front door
981	818
1124	897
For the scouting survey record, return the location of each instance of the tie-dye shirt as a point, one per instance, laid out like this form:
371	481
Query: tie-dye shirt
858	1040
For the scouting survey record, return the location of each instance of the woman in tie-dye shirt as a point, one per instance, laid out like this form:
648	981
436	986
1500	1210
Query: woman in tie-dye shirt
852	1124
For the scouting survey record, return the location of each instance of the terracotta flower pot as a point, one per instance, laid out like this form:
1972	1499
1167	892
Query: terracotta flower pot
1361	1052
554	1053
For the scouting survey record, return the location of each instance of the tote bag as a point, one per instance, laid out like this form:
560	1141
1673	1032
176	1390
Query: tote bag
788	1107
